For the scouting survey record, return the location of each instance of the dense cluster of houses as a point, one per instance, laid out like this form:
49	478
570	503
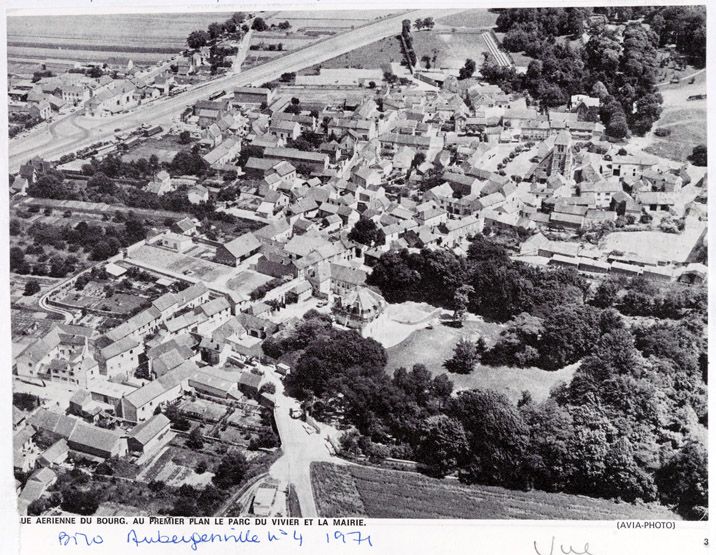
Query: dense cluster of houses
429	168
107	94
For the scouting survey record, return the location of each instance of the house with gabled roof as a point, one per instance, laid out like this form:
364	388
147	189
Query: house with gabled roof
237	250
141	404
150	436
118	360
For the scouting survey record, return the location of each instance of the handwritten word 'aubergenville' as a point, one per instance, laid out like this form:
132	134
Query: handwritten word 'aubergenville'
195	539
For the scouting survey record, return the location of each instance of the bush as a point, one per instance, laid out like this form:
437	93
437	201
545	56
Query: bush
662	132
231	471
195	440
31	287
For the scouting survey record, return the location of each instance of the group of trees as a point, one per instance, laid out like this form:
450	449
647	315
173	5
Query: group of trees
699	156
467	70
427	23
500	288
640	297
626	426
367	233
99	240
233	28
102	188
113	166
684	26
189	162
621	70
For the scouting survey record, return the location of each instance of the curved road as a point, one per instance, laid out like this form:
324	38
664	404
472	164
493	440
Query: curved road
66	314
97	129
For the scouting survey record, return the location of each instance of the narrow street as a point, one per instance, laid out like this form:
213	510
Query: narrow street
300	449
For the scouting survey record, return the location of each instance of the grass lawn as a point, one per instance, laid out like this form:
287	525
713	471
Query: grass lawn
448	49
670	117
686	119
433	347
394	494
683	138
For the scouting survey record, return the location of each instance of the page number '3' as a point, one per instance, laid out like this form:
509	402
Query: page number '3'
706	541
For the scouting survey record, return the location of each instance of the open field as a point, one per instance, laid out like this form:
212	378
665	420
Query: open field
326	18
335	491
432	347
372	55
115	56
479	19
394	494
146	30
686	119
679	144
448	49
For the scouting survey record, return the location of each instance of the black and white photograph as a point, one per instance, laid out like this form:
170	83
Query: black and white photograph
398	263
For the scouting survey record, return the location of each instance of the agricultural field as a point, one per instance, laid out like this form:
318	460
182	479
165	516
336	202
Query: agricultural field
144	38
27	325
432	347
24	53
335	491
341	19
372	55
477	19
377	493
119	304
307	27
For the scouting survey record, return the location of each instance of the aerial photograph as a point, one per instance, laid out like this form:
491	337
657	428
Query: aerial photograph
393	264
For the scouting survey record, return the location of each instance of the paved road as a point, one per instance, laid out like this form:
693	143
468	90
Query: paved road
300	448
96	129
66	314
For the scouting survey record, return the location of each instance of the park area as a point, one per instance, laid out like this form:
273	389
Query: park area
432	347
343	491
